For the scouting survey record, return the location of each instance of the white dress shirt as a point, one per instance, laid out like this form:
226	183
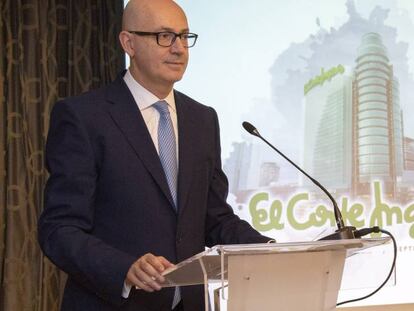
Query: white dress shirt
145	99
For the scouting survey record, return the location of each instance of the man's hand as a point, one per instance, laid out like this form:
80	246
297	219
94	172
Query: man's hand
145	273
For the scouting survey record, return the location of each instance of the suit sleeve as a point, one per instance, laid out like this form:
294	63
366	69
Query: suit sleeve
65	226
223	226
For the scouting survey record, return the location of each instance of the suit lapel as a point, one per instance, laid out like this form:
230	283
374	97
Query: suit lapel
186	143
125	113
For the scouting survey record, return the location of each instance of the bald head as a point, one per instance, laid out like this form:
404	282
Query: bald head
142	14
155	66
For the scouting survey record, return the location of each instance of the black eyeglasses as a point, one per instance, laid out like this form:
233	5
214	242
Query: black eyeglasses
167	38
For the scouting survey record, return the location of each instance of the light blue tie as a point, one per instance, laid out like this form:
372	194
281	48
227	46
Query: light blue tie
167	148
168	156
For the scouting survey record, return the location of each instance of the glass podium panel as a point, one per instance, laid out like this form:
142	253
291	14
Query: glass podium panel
249	272
191	271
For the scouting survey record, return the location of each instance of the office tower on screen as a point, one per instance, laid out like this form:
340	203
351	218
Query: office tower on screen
328	123
377	119
353	123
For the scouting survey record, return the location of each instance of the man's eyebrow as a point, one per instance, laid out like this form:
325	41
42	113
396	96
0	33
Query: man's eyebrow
169	29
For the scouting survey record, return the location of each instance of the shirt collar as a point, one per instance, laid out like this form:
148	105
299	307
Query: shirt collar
143	97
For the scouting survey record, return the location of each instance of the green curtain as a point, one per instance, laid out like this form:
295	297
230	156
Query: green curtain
49	49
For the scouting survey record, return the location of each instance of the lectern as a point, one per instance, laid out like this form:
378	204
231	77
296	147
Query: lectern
267	277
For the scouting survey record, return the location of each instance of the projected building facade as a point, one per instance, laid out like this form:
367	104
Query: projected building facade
408	154
328	120
377	124
353	123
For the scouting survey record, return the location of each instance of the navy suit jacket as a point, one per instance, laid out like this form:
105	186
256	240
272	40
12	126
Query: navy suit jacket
107	201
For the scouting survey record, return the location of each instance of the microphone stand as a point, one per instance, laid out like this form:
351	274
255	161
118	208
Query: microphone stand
343	232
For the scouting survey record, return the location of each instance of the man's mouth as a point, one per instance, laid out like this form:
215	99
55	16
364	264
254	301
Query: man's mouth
175	63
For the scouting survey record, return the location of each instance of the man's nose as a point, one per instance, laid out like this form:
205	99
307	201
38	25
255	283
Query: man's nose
178	46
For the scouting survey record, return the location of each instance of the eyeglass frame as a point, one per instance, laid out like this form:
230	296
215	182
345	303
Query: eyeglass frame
157	34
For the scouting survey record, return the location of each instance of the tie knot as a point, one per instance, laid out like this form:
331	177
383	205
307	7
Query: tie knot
162	107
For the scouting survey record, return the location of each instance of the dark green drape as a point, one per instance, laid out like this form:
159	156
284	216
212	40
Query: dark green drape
49	49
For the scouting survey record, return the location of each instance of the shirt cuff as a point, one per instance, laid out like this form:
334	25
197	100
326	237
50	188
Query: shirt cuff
126	290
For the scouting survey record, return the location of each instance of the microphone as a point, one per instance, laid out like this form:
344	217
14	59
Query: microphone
343	232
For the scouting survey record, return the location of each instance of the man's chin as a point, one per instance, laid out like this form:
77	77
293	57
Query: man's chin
175	78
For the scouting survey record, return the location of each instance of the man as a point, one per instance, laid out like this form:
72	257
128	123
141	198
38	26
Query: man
135	176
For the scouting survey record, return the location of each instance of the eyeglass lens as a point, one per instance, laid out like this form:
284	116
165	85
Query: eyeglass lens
168	38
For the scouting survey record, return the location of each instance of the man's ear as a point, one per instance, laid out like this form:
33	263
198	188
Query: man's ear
125	38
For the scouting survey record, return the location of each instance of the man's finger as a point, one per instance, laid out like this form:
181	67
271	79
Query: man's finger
165	262
144	286
133	279
147	280
149	269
